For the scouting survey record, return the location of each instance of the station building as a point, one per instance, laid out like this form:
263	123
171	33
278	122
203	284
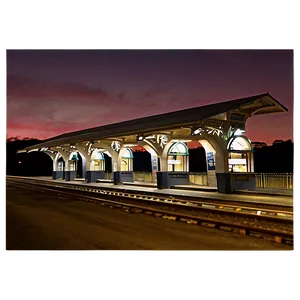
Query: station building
219	128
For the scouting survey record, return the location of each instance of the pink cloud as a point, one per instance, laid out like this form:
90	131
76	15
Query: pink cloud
25	87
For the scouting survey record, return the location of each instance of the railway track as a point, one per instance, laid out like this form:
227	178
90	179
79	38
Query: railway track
148	195
276	225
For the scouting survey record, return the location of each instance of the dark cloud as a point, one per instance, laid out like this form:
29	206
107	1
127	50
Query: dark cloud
25	87
156	90
51	92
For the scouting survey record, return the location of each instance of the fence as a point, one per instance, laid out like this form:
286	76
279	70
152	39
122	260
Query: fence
263	180
274	180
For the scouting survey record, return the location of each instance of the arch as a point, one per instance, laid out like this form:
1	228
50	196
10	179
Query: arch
73	155
178	148
210	154
239	143
240	156
207	146
50	153
107	153
127	153
97	161
178	157
125	164
36	163
97	155
126	159
60	163
77	163
33	150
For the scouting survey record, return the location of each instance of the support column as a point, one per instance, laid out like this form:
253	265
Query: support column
93	175
216	153
222	172
210	154
120	176
155	145
57	174
86	158
154	161
251	162
67	175
154	166
160	143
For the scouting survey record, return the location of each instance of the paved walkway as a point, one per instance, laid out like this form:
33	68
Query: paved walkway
269	192
268	199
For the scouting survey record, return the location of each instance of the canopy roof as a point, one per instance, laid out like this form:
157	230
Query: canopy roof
254	105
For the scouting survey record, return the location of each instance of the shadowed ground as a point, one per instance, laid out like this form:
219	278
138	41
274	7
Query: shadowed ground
36	221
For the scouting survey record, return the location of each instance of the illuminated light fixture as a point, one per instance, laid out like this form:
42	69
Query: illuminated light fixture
116	145
140	138
181	141
197	131
74	157
239	132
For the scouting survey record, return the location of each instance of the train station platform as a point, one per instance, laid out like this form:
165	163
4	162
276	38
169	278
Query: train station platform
251	196
202	188
180	187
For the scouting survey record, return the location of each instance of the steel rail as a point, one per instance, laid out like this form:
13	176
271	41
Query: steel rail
279	236
242	208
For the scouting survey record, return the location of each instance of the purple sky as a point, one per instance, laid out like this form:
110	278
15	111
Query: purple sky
52	92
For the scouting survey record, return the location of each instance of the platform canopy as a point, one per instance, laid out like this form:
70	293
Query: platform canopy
233	112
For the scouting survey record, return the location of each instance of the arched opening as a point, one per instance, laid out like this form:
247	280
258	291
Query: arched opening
239	154
127	160
60	168
178	157
142	164
76	164
210	160
197	157
60	164
198	164
97	161
33	163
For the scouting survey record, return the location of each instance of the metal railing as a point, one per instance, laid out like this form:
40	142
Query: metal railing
263	180
107	176
274	180
198	178
143	176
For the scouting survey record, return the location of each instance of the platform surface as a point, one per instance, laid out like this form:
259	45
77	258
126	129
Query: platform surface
257	197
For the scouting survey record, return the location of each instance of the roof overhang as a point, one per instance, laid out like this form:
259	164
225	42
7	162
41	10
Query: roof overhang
266	104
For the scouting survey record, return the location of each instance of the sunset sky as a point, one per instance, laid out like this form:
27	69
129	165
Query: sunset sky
50	92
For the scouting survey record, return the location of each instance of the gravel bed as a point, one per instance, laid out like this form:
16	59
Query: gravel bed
182	198
251	220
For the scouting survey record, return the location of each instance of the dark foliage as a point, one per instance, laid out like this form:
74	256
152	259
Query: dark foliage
277	158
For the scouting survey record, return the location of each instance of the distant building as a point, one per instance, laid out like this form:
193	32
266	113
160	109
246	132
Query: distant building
258	144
